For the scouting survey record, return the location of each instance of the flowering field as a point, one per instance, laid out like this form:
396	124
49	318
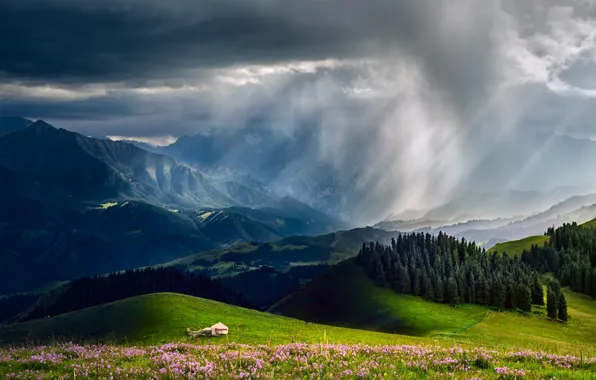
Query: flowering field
292	361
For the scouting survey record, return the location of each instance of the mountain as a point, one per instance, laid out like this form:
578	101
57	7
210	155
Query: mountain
291	162
498	204
578	208
12	124
81	206
79	168
44	243
287	162
575	209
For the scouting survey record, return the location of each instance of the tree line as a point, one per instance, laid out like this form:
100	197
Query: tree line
97	290
569	254
447	270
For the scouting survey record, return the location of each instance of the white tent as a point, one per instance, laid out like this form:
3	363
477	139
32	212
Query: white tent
219	329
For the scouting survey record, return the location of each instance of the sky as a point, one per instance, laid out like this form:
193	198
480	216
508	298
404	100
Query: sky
406	99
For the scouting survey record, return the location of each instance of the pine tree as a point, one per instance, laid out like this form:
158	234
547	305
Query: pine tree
439	291
379	273
563	308
524	298
452	295
551	303
537	293
405	282
499	295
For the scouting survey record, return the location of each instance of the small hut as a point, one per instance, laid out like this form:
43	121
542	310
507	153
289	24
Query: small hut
219	329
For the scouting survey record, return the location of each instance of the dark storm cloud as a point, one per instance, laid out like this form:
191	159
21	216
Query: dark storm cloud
134	41
413	96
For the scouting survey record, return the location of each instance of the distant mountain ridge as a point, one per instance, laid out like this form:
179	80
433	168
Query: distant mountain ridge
12	124
74	206
71	165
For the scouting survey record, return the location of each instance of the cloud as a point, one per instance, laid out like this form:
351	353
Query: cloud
402	100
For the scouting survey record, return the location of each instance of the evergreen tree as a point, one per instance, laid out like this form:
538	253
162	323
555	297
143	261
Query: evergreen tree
499	295
452	296
537	293
563	308
405	282
439	291
379	273
524	298
551	304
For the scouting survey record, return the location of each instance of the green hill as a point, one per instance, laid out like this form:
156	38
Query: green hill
515	247
345	296
164	317
589	224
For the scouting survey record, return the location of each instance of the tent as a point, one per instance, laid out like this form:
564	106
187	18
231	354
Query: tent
219	329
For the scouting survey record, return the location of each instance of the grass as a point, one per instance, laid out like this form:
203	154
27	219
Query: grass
536	331
164	317
448	344
344	296
516	247
589	224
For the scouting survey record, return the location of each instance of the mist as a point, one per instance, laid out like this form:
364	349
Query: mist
390	105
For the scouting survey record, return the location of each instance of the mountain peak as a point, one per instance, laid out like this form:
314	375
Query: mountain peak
41	125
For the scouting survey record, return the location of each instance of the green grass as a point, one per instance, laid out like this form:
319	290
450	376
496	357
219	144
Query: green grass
536	331
516	247
164	317
344	296
589	224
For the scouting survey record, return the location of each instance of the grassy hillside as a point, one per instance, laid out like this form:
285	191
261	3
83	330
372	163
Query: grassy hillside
589	224
515	247
164	317
345	296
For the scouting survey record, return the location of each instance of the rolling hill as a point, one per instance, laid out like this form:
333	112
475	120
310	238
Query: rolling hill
516	247
344	296
164	317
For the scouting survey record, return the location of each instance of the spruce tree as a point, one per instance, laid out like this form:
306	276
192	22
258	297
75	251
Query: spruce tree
452	295
563	308
537	293
499	295
379	273
524	301
551	303
439	291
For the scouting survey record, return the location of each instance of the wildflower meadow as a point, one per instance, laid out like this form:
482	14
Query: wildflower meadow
290	361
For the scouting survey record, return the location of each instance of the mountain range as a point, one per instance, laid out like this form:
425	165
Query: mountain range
72	206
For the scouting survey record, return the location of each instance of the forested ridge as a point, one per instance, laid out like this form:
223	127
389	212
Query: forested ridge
570	255
447	270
